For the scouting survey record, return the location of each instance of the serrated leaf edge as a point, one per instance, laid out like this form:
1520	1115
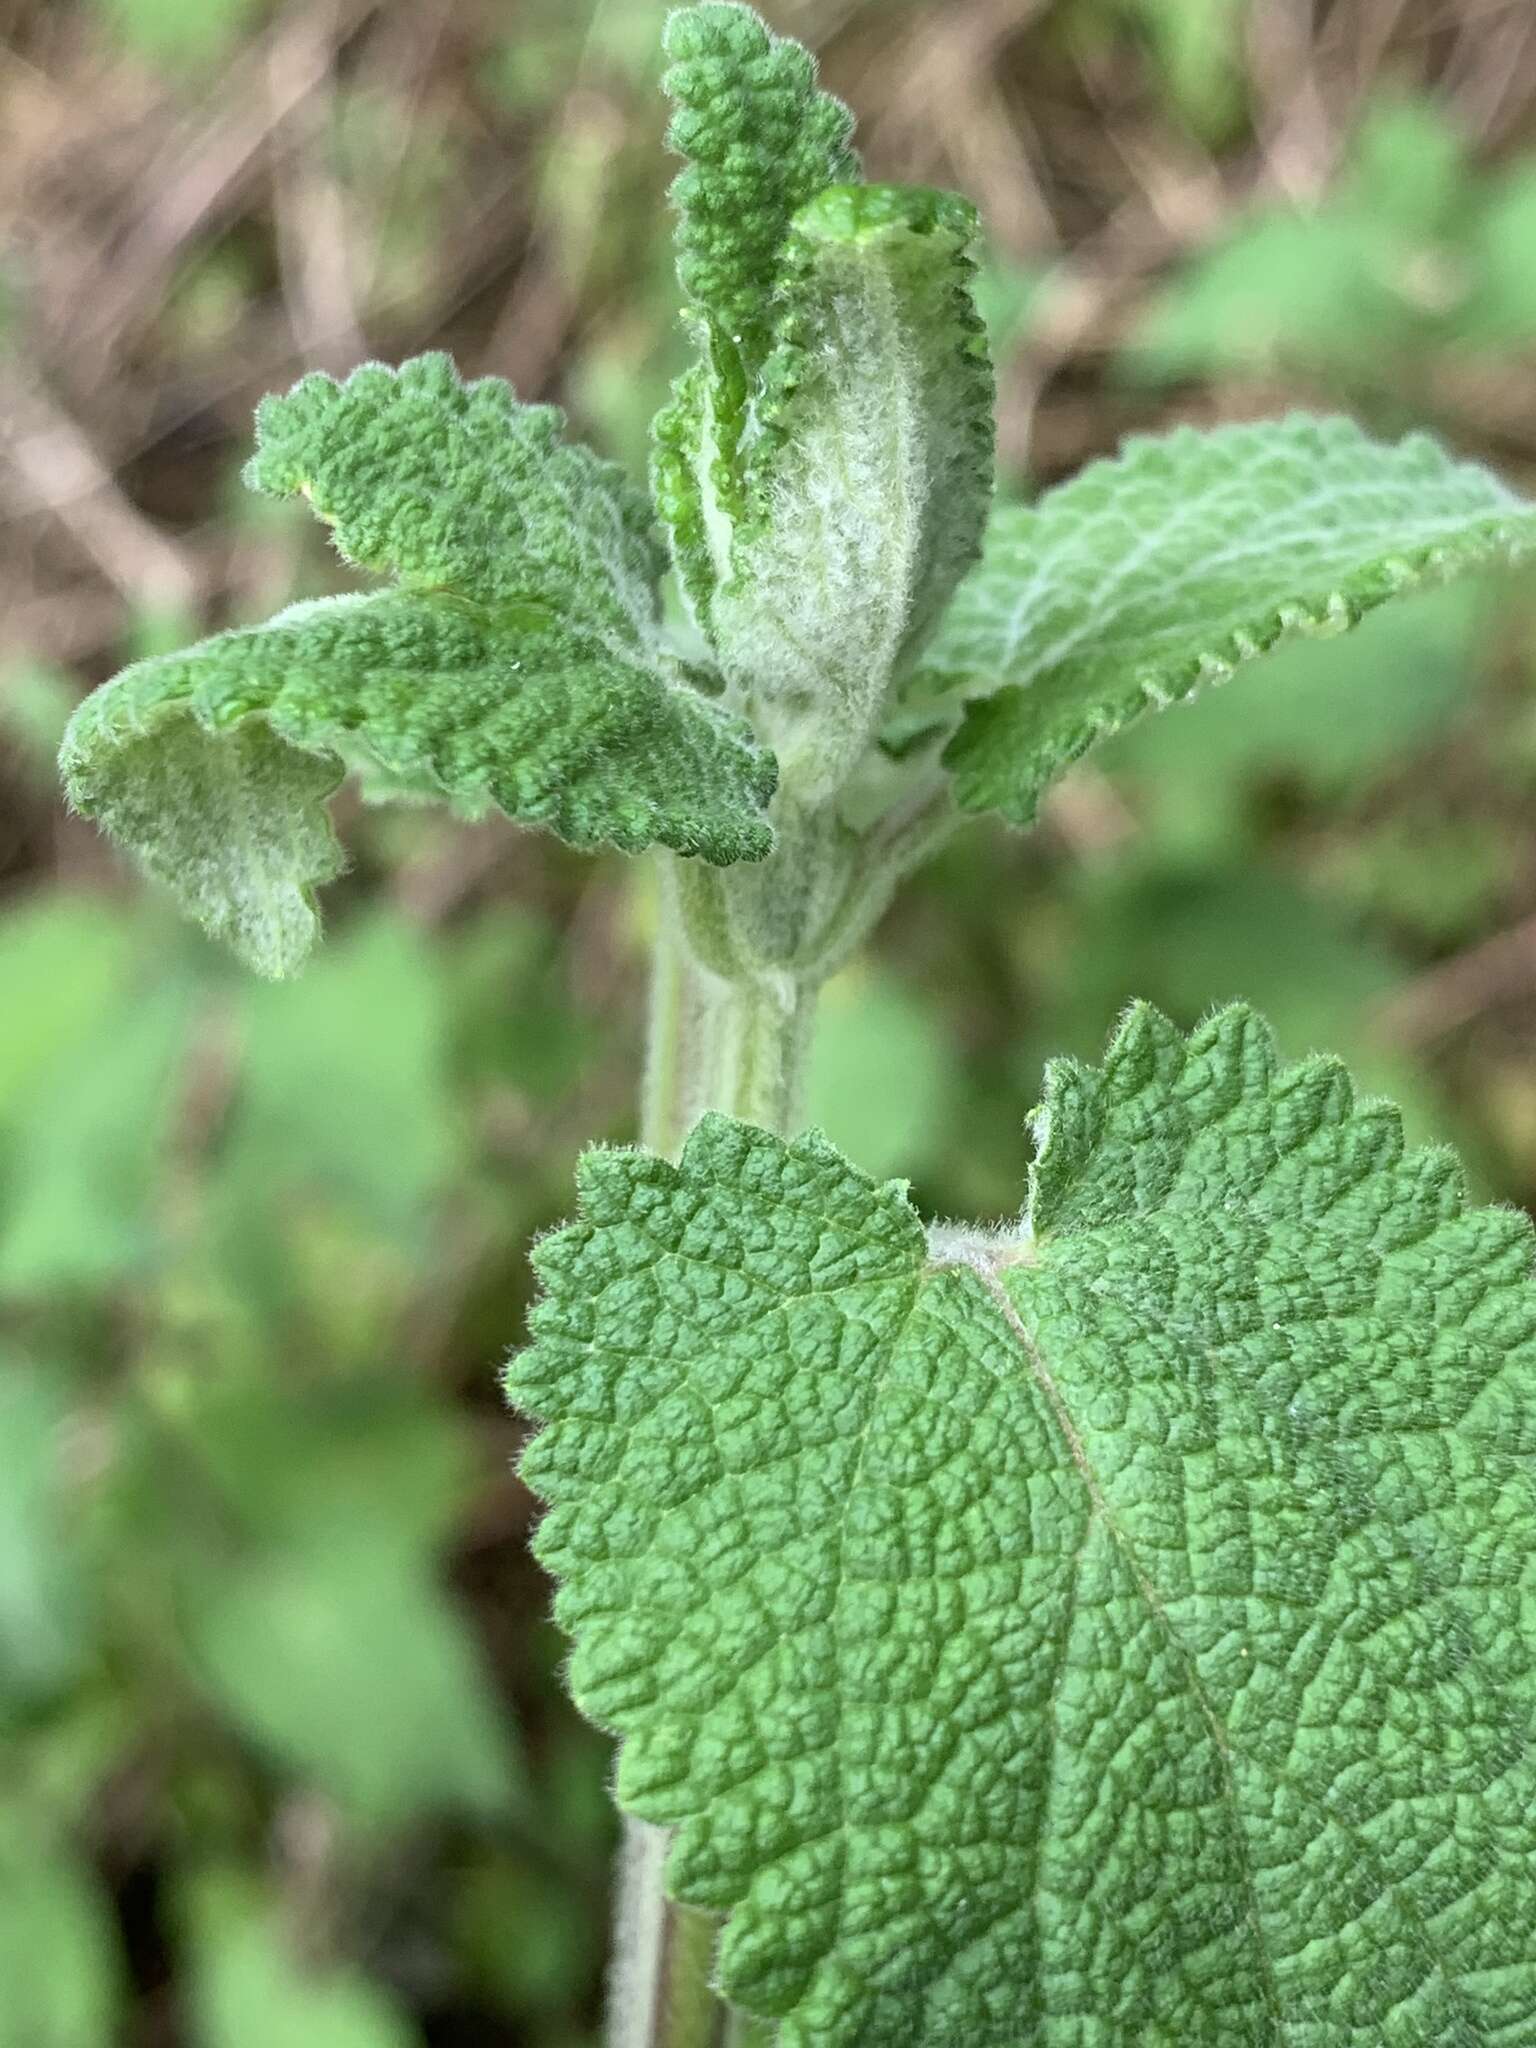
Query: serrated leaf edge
1150	685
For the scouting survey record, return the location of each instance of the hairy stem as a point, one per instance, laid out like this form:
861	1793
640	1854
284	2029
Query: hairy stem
737	967
673	1030
737	1044
724	1033
749	1053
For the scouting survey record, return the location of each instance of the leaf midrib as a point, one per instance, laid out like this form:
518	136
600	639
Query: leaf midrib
986	1278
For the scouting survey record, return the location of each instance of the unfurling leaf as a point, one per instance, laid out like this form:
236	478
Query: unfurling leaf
516	662
825	466
758	140
867	481
1119	1628
1149	576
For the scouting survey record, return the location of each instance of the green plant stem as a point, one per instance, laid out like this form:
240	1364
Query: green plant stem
751	1049
736	1043
672	1029
732	1041
737	967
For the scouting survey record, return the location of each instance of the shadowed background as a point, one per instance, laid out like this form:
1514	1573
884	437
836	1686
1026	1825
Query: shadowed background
284	1762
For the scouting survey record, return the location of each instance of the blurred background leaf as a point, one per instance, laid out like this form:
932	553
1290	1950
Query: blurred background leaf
251	1983
63	1983
45	1623
284	1756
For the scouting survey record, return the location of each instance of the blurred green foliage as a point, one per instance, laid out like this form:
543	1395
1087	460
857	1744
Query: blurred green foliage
230	1490
182	39
1410	254
284	1760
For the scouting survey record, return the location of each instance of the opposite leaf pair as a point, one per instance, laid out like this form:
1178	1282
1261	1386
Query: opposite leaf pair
517	661
824	471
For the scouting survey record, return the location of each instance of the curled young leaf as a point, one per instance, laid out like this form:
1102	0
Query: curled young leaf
867	474
826	464
516	662
213	765
1120	1628
759	140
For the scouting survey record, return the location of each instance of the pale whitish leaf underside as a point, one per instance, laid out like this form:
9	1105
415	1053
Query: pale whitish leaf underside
1149	576
868	491
1118	1632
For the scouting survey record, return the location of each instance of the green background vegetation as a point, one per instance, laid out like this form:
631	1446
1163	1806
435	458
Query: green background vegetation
284	1761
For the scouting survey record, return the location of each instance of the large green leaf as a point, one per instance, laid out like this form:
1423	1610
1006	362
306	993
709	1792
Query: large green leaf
517	662
1118	1628
457	487
1151	575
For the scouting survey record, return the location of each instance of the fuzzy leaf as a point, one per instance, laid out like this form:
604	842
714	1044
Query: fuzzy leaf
867	481
825	464
759	140
1151	575
517	662
214	764
1120	1629
454	487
